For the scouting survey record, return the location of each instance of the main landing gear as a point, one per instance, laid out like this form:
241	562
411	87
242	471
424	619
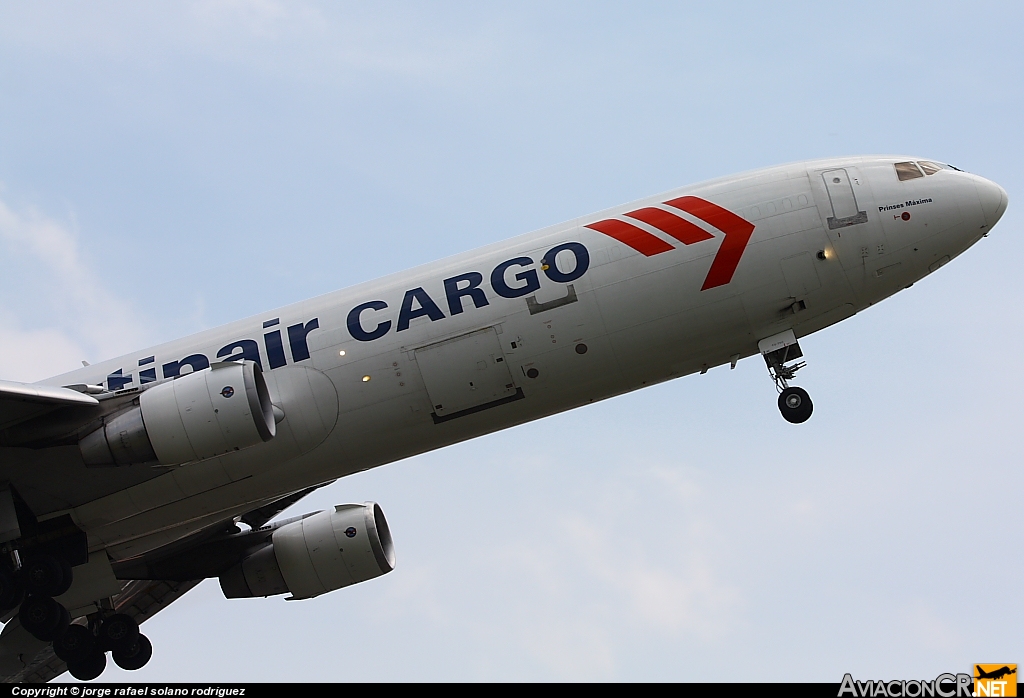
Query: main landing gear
82	647
32	585
778	351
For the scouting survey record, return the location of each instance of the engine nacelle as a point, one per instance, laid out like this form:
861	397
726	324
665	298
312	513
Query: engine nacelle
323	552
202	414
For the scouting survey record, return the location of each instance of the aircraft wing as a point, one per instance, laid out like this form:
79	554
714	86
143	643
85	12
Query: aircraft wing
38	456
20	402
24	659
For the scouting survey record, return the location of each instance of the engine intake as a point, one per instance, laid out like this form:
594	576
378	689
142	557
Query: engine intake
323	552
200	415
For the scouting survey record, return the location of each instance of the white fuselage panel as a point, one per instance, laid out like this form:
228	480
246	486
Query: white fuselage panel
542	323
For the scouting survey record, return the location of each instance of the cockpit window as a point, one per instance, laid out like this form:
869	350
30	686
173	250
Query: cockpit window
929	168
907	170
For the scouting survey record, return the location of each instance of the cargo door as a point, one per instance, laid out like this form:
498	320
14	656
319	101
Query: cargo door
466	374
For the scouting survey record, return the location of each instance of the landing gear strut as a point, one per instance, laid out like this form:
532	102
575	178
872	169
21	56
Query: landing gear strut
778	351
42	577
39	572
79	650
12	589
82	647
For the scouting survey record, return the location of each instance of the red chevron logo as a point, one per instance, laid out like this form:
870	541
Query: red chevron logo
737	233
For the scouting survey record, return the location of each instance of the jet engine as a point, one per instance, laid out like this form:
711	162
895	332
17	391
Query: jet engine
199	415
320	553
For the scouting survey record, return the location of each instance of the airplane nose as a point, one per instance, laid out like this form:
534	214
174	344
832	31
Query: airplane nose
993	201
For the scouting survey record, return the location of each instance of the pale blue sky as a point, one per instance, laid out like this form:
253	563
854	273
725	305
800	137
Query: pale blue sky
167	167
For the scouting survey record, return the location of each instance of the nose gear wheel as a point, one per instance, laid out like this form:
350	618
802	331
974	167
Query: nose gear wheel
781	354
795	405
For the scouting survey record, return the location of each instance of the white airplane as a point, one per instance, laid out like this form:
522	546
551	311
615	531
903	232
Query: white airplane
127	482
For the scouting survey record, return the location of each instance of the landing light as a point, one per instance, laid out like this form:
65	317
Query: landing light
341	353
366	379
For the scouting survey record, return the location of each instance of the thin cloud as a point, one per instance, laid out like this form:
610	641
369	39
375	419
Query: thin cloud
689	599
56	308
297	41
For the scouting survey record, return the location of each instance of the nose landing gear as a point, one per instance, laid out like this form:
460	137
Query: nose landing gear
778	351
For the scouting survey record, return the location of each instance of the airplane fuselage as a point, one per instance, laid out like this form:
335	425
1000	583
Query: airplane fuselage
518	330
